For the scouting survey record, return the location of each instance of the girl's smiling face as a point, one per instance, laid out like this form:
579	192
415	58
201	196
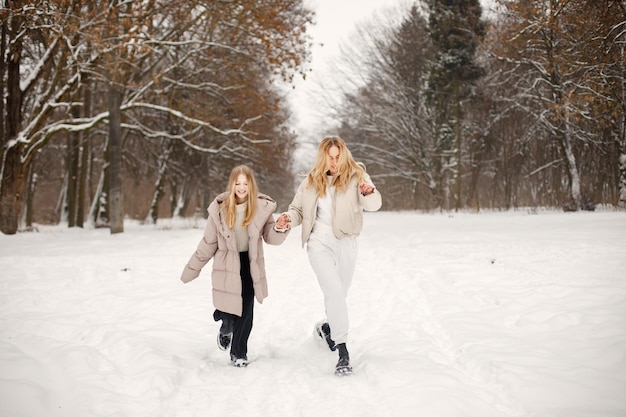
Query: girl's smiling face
241	189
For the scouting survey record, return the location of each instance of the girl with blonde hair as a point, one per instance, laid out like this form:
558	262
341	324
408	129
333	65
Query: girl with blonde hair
329	205
240	219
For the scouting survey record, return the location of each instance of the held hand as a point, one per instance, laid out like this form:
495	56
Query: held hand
366	189
283	222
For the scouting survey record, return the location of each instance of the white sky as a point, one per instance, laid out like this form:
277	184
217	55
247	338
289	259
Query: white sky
336	21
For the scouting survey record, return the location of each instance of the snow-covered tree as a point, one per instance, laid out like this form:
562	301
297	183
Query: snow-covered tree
456	28
564	67
185	71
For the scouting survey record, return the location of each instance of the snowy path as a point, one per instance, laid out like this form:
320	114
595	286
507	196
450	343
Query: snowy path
499	314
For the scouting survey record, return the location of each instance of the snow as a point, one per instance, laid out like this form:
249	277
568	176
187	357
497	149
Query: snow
494	314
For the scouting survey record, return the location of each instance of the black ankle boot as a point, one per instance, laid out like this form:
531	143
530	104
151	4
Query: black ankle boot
343	351
343	365
322	329
228	325
225	336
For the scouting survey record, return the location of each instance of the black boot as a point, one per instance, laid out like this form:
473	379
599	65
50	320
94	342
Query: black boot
239	362
225	336
322	329
343	365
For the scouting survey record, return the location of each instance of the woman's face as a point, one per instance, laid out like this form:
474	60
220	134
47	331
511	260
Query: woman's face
332	159
241	188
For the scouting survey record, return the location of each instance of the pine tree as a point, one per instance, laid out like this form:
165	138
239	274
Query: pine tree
455	27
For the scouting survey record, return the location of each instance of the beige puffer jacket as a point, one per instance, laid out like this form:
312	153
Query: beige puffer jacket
347	208
219	243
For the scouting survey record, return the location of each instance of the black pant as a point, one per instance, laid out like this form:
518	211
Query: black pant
243	324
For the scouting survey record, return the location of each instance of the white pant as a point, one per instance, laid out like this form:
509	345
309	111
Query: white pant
333	261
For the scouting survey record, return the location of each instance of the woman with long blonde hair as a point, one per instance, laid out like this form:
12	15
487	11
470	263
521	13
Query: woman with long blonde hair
240	219
329	205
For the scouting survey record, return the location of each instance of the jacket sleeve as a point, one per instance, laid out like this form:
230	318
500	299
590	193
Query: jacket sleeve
203	254
272	236
370	202
295	207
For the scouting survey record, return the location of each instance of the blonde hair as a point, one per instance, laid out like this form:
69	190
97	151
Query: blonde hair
230	203
346	167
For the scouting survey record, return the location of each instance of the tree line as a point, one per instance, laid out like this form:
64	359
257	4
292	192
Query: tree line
111	106
524	108
139	108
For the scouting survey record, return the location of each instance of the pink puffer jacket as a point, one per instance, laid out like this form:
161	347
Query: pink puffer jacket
219	244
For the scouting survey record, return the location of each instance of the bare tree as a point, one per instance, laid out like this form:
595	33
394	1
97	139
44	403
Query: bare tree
143	54
550	48
545	126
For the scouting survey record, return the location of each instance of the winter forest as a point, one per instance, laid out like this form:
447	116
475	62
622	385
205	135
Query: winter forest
138	109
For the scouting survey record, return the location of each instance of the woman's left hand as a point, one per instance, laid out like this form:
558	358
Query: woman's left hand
283	223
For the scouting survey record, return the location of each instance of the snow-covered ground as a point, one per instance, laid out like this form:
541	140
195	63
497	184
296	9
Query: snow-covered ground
491	314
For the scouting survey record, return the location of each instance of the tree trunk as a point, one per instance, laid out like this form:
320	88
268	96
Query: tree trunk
159	186
82	181
457	152
84	152
622	183
30	197
3	86
73	165
115	196
153	214
181	198
622	131
12	170
97	210
13	187
572	169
